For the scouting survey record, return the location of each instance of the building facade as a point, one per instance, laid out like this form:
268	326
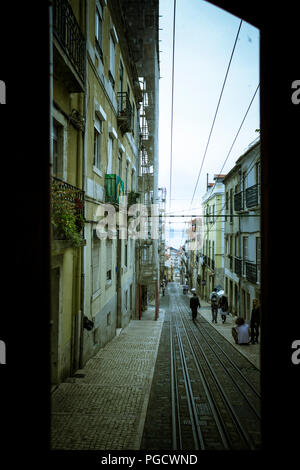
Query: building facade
242	232
112	144
211	266
67	130
103	90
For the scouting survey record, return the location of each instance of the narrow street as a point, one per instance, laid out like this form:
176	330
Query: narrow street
143	391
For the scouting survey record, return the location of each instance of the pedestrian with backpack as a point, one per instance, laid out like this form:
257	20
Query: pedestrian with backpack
223	305
194	304
214	305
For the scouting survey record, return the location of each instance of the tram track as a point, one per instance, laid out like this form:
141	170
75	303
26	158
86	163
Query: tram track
210	409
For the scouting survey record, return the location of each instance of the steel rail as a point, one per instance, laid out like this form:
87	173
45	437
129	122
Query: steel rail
235	367
226	355
247	439
197	433
212	403
231	361
228	373
174	396
198	440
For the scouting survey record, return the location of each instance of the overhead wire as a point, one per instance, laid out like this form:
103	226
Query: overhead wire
216	112
231	147
172	102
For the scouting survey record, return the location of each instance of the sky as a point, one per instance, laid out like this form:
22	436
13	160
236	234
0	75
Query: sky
204	39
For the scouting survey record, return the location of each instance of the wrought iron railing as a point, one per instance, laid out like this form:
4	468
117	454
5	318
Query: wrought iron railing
124	112
67	209
69	35
252	196
251	272
238	201
238	266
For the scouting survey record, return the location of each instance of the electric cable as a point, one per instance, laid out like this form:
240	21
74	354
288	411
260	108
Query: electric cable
216	112
234	140
172	102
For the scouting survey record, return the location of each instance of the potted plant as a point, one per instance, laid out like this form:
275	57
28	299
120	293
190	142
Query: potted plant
66	214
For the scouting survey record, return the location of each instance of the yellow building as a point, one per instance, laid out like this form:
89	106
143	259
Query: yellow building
211	269
111	145
67	198
96	161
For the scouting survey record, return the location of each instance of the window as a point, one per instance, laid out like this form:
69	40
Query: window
121	76
108	259
96	265
126	300
257	176
57	131
112	61
109	156
226	205
258	254
126	177
120	164
132	180
245	253
237	246
99	29
97	143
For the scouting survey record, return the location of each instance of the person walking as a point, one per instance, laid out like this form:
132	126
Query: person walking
255	321
214	305
223	306
194	304
240	332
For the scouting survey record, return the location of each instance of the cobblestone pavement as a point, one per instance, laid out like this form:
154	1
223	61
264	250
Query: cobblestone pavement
106	407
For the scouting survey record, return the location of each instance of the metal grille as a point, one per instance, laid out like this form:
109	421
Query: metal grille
252	196
69	34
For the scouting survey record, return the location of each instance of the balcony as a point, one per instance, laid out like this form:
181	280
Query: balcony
132	197
124	116
251	272
67	212
69	50
252	196
238	266
238	201
114	188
